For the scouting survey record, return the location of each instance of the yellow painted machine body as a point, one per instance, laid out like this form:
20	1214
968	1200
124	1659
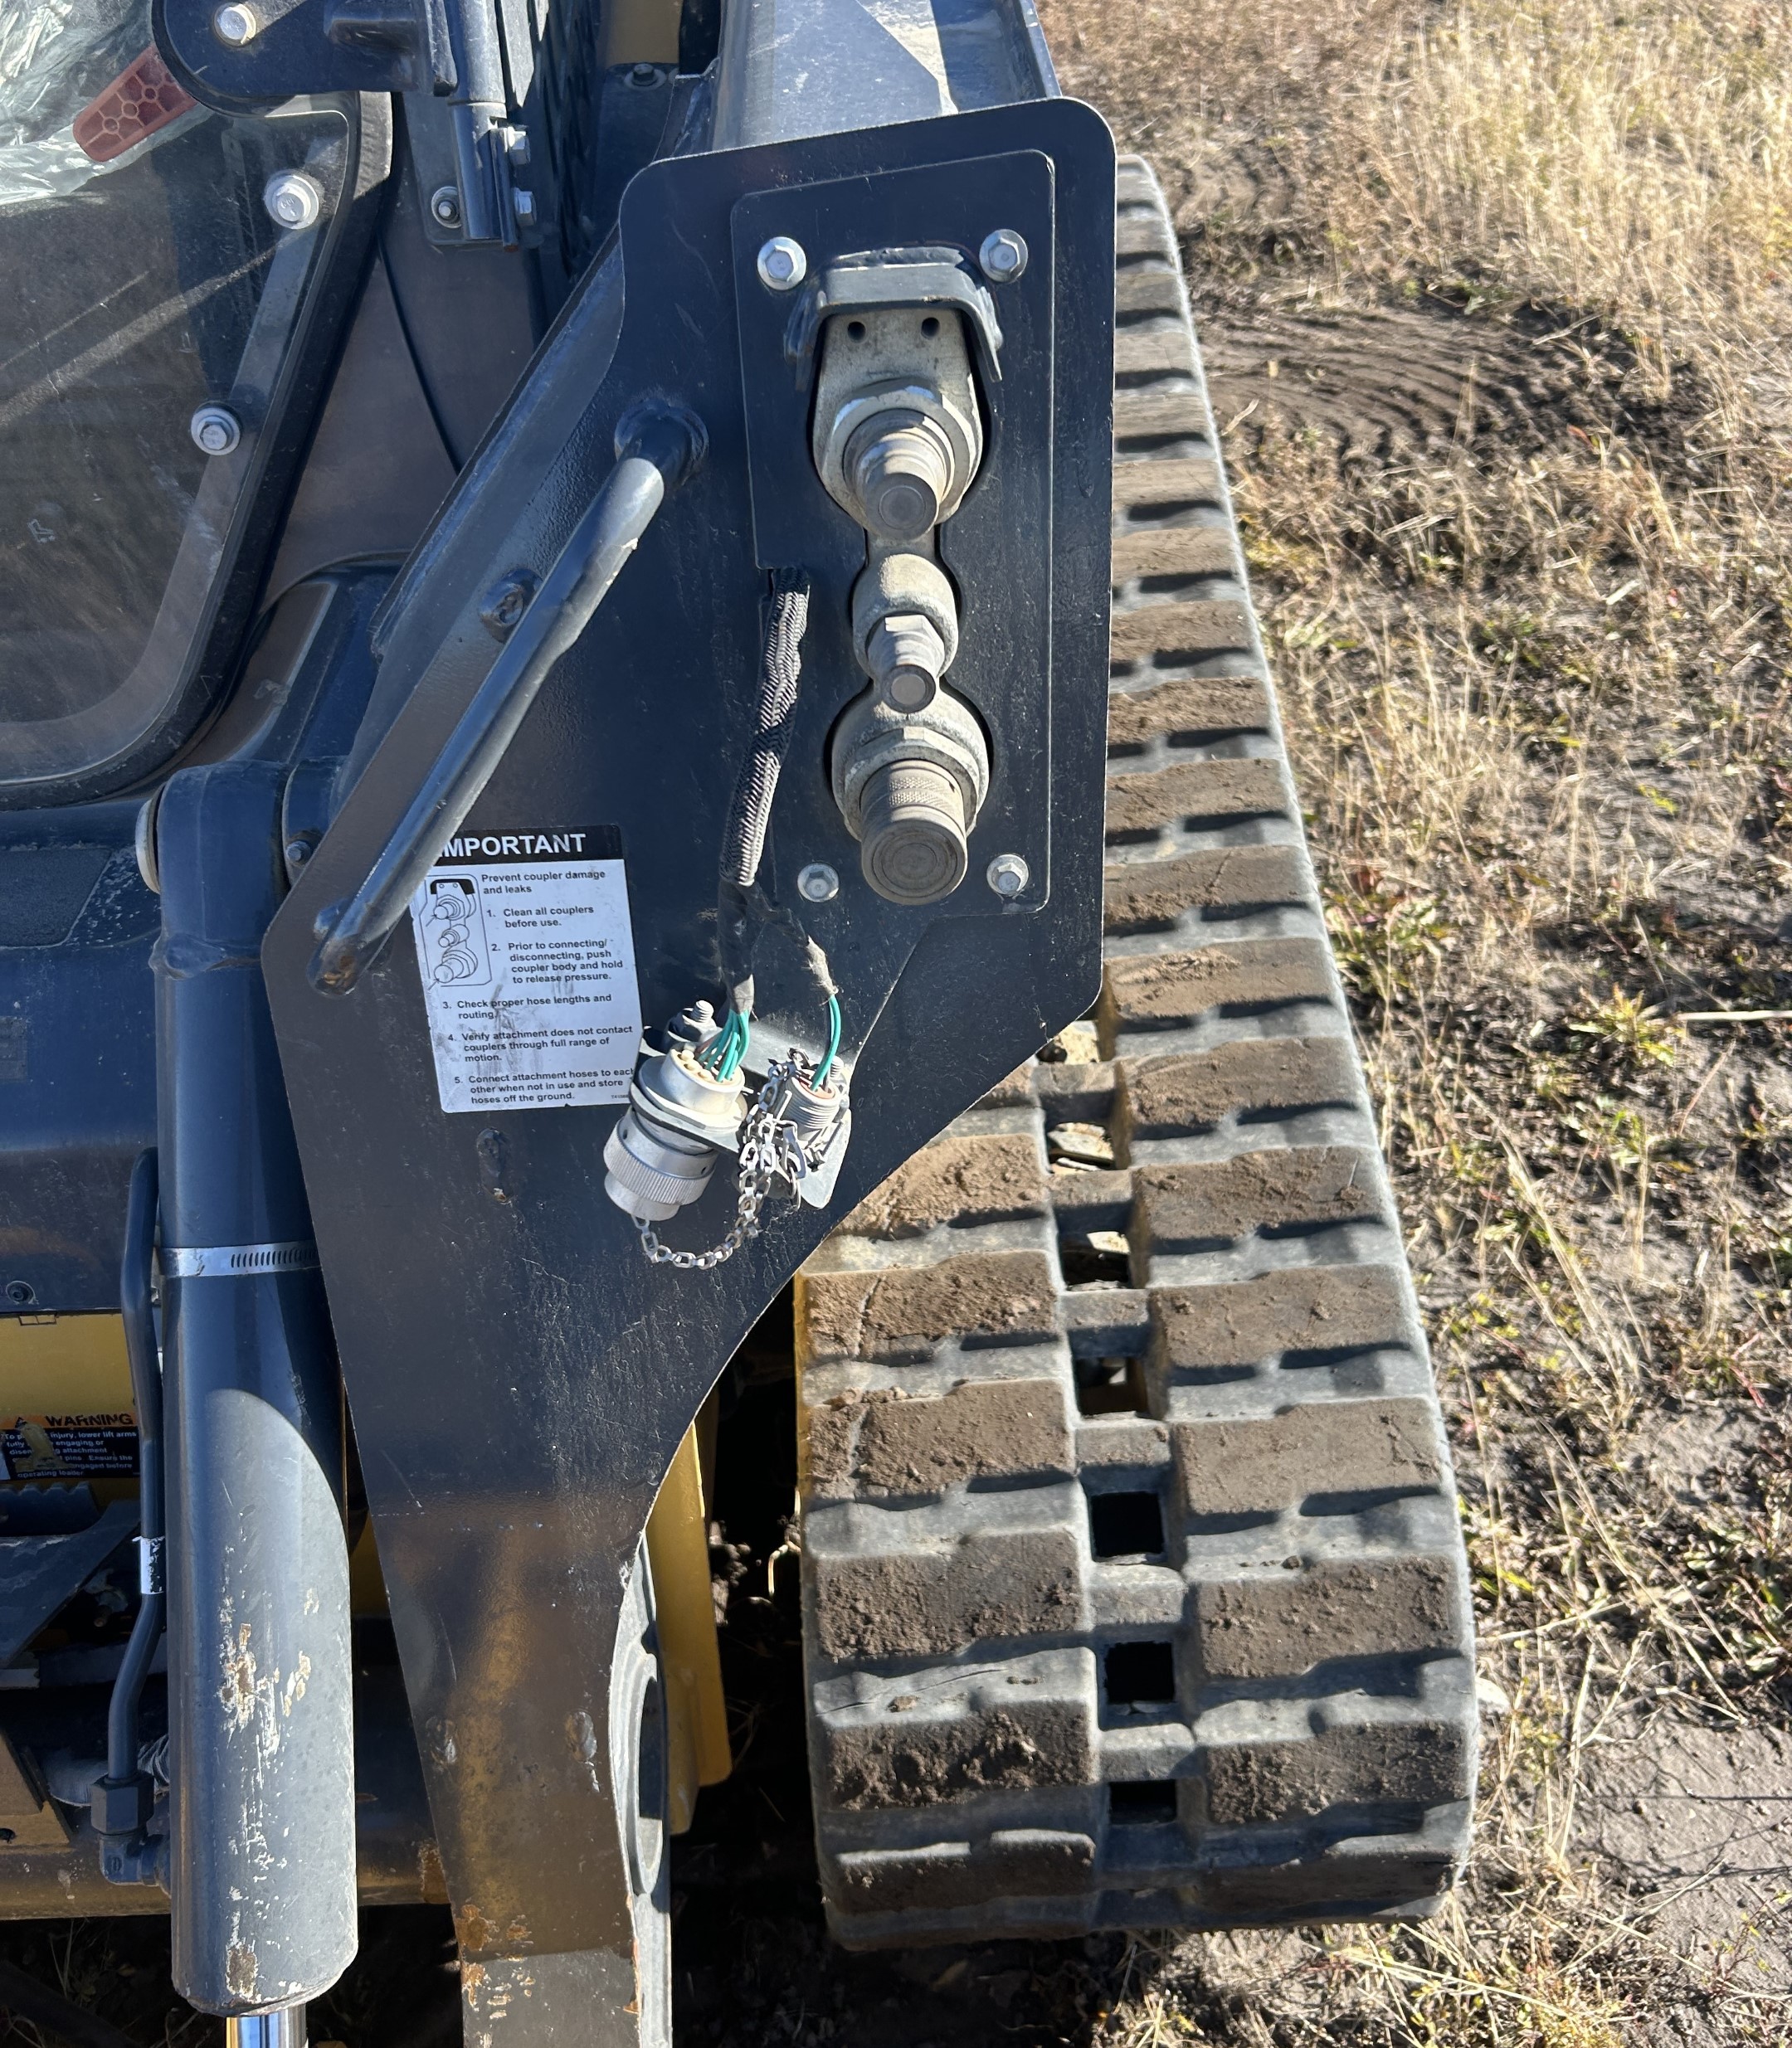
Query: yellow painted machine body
67	1417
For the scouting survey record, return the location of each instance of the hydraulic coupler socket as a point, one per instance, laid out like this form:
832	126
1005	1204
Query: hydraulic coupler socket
909	785
912	828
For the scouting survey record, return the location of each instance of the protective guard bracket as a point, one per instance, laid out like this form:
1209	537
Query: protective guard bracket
519	1377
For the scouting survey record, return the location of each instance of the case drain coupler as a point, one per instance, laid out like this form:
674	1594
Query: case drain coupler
909	785
679	1121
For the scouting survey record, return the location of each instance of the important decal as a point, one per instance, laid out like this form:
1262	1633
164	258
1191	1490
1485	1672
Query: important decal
527	962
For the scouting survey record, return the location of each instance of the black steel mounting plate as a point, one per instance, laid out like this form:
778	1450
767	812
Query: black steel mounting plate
519	1377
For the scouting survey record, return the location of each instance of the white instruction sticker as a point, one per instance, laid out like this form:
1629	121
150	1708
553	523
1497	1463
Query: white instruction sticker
528	970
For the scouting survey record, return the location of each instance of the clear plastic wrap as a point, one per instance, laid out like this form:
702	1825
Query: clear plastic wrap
55	55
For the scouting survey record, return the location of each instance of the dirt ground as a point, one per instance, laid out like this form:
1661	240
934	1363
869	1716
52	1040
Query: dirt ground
1493	300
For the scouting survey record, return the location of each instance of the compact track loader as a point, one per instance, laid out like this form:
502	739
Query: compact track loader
559	722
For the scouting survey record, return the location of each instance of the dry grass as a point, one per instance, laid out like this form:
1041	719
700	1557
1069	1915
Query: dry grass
1535	665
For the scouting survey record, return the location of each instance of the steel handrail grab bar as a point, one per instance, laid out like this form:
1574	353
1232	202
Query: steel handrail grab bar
657	448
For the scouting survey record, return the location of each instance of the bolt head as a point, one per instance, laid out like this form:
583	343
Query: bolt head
235	24
299	849
818	882
783	264
21	1293
1008	874
216	430
645	75
523	205
292	199
445	206
1003	256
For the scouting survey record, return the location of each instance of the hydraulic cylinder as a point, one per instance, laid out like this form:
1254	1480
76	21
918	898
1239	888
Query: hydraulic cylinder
262	1869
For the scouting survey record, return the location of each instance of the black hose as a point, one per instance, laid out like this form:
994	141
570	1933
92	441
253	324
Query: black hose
146	1392
780	677
743	907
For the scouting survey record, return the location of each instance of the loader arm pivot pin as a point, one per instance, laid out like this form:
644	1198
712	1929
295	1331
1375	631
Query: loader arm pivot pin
657	447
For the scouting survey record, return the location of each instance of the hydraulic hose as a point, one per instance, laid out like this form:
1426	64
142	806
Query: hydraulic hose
122	1742
124	1798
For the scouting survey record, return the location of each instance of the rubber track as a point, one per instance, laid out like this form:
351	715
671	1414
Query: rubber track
1133	1590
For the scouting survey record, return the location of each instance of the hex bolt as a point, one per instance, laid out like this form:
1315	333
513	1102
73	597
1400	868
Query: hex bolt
445	206
1008	874
215	429
782	264
1003	257
523	205
293	200
236	24
818	882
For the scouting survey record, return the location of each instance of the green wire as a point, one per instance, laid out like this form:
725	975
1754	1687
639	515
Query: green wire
728	1048
724	1056
738	1049
834	1039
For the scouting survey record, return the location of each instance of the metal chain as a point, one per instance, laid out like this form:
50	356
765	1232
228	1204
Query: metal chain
768	1147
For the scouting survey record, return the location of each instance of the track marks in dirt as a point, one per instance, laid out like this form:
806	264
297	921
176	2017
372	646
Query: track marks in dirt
1378	381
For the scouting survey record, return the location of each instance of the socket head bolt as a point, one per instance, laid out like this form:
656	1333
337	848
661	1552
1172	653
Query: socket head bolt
782	264
236	25
216	430
1008	874
1003	257
818	882
445	206
293	200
